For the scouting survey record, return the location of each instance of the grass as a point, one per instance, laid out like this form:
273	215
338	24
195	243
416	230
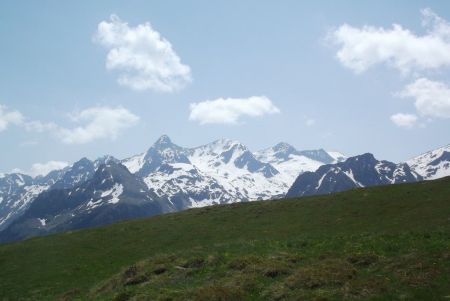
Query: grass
381	243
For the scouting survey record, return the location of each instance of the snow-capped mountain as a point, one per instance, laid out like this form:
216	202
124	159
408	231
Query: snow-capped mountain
237	169
291	162
17	191
223	171
433	164
359	171
111	194
167	170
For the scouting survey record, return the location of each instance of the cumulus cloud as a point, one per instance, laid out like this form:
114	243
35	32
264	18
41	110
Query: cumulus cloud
404	120
364	47
145	60
432	98
360	48
230	110
97	123
9	117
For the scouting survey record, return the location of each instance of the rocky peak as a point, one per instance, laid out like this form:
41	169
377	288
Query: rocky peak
163	142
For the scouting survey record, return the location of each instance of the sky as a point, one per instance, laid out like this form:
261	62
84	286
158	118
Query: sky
90	78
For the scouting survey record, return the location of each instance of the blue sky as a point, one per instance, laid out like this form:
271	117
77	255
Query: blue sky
54	75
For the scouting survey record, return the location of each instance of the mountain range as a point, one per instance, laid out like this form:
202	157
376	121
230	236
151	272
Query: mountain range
223	171
168	178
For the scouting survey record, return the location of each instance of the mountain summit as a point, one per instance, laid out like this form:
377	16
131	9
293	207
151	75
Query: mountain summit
163	142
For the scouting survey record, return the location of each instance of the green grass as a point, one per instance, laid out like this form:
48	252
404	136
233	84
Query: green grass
381	243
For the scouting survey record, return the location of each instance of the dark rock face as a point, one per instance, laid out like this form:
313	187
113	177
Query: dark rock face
248	161
79	172
358	171
161	153
445	157
16	192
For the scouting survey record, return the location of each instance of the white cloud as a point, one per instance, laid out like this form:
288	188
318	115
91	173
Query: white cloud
8	117
39	127
145	60
44	168
230	110
99	123
432	98
362	48
96	123
404	120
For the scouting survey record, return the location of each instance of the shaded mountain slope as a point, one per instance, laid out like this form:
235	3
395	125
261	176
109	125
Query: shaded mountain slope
355	172
111	195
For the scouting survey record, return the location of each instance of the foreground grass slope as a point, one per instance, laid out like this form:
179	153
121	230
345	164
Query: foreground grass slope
381	243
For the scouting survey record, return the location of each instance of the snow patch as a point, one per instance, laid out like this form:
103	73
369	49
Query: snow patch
114	192
350	175
135	163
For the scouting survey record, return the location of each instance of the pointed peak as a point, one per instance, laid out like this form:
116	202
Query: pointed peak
162	143
110	167
365	156
105	160
112	164
164	139
284	147
82	161
228	143
112	172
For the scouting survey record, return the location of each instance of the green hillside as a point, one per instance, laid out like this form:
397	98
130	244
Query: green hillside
381	243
